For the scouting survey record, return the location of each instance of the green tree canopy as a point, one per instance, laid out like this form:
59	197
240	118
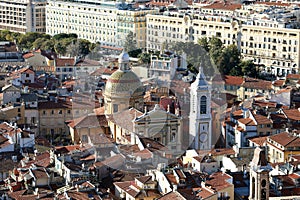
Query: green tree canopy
130	42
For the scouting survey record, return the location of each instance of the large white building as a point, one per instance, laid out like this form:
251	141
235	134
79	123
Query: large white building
265	37
106	22
23	15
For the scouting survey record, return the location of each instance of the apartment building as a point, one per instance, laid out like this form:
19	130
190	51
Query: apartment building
265	38
23	15
106	22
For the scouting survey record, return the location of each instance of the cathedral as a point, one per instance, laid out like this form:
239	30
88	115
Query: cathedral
127	117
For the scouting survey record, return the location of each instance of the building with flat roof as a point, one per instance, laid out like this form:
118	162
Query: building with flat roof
23	15
268	34
106	22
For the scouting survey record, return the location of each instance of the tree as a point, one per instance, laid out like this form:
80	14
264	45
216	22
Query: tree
144	57
73	49
26	40
84	46
229	60
48	45
196	56
60	48
130	42
203	42
61	36
215	48
249	68
38	43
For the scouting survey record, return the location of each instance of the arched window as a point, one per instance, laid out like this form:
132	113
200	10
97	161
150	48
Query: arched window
203	103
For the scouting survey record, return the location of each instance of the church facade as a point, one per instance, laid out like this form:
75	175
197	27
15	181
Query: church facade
123	96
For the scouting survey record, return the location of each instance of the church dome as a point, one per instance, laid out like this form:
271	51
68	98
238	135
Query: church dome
124	57
123	82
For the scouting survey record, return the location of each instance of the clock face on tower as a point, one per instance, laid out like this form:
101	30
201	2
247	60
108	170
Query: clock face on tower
203	137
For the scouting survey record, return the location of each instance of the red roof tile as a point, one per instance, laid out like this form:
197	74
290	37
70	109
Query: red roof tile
60	62
222	6
233	80
260	141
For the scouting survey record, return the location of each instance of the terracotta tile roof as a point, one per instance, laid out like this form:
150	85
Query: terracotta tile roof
292	114
264	104
260	141
88	158
115	161
257	84
285	139
247	121
179	173
233	80
4	142
70	148
172	195
20	195
152	145
144	154
104	71
88	121
61	62
295	157
274	4
26	70
171	178
7	129
42	160
198	158
223	151
39	173
98	139
144	179
88	62
279	83
204	192
28	55
238	113
218	181
260	119
82	195
222	6
129	187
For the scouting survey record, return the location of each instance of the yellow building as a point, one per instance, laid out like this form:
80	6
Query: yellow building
283	145
84	128
13	113
252	87
52	115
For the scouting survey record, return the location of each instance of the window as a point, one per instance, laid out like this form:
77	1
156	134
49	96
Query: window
115	108
84	138
203	105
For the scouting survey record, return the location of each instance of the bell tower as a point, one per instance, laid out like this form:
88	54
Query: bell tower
200	125
259	176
